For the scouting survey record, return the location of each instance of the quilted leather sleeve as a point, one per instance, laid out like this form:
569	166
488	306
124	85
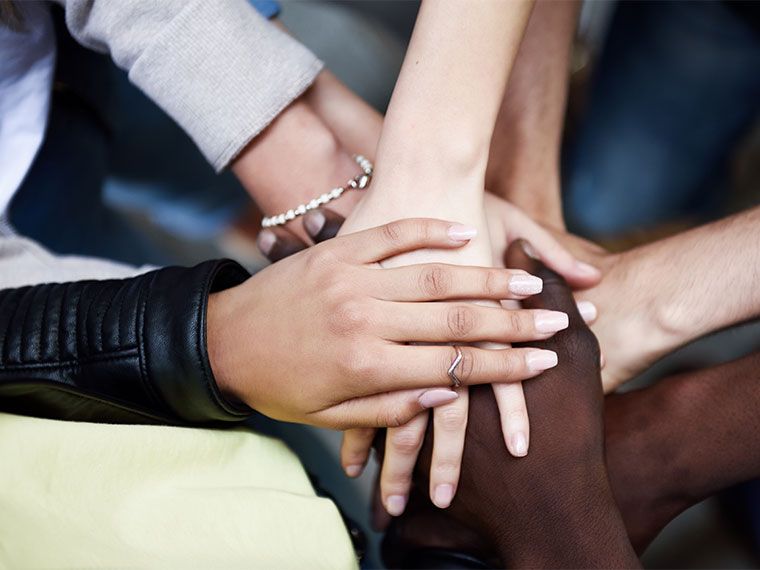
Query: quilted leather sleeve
126	350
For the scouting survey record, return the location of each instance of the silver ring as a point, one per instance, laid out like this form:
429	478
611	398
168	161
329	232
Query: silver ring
453	366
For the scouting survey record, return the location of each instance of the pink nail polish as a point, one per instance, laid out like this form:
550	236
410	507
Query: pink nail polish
585	269
443	495
266	241
525	285
540	360
395	505
354	470
528	249
436	397
314	221
459	232
518	444
588	311
550	321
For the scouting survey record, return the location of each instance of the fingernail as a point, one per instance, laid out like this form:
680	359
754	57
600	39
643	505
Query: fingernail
459	232
525	285
539	360
314	221
443	495
528	249
436	397
266	241
354	470
518	444
585	269
550	321
395	505
588	311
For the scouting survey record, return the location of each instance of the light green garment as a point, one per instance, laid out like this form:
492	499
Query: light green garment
82	495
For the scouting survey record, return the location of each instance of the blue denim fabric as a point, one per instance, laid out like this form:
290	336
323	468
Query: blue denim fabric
676	88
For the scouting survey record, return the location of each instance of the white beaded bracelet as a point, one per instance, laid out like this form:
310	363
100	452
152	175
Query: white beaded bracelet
358	182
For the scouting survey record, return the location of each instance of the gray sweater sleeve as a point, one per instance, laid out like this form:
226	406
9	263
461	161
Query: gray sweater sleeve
218	68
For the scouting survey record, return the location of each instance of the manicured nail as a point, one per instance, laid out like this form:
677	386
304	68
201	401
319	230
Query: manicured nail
436	397
525	285
518	444
395	505
459	232
314	221
266	241
528	249
550	321
582	268
443	495
539	360
354	470
588	311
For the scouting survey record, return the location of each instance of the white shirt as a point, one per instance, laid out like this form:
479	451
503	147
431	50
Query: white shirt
27	64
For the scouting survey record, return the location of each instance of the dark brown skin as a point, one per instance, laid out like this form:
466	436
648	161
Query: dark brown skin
668	447
555	507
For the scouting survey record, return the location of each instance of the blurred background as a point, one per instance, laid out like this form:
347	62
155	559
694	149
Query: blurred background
662	134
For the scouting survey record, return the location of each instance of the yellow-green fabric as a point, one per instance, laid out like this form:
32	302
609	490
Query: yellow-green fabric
83	495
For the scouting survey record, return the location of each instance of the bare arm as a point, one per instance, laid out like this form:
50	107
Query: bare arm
524	163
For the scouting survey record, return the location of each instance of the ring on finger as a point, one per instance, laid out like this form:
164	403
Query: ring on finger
453	367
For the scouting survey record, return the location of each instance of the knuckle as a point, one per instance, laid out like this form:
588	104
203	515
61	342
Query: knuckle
446	470
509	366
349	317
466	369
392	233
514	321
359	366
460	321
451	418
435	281
392	418
516	416
491	283
406	441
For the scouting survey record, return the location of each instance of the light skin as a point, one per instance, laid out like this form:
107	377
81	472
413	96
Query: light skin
660	296
342	357
431	158
554	508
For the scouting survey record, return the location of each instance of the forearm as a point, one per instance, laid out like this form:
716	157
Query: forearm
441	116
297	158
696	282
524	160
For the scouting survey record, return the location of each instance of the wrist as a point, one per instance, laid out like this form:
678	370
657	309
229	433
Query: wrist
296	159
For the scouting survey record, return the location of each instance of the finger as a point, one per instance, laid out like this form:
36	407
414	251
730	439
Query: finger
398	237
322	224
436	281
355	450
398	367
577	273
465	322
387	409
588	311
556	295
380	519
278	243
513	414
449	427
402	445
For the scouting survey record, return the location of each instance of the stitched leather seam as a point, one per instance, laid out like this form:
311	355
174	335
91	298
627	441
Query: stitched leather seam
130	353
123	292
59	349
43	336
148	386
24	307
86	303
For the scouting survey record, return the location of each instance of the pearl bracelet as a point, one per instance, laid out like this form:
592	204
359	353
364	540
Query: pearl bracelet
358	182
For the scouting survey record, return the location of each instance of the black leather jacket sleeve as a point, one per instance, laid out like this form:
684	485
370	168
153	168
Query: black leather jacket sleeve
126	350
